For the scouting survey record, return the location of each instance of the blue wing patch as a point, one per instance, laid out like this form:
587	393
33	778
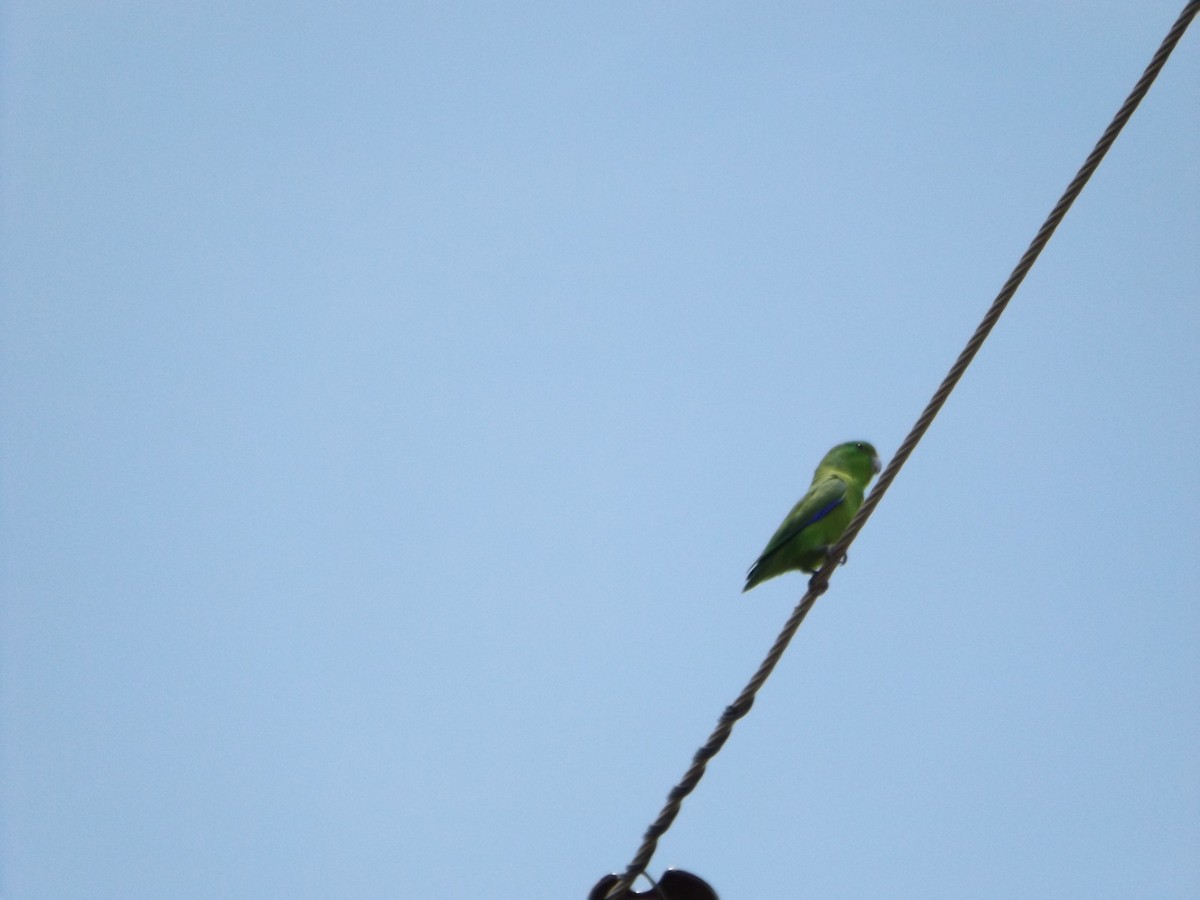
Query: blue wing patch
826	511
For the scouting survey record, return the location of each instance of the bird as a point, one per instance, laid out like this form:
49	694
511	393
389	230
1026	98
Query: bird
816	523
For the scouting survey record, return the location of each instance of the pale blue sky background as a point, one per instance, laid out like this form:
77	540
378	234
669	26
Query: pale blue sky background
395	394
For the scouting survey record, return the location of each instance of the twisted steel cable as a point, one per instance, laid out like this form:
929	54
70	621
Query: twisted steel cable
819	583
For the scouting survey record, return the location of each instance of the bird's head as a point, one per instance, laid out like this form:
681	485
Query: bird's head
856	458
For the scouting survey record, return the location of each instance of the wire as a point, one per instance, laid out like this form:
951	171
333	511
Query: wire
819	583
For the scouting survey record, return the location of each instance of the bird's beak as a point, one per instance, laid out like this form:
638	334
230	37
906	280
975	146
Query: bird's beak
875	464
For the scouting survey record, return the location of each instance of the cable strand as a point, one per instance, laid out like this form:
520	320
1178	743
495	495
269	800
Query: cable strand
819	582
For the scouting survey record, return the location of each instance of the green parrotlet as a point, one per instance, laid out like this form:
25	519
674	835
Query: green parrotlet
816	523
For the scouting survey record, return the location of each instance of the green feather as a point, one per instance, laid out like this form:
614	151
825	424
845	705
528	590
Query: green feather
817	522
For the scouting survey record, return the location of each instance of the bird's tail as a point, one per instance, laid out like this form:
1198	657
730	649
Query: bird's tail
755	576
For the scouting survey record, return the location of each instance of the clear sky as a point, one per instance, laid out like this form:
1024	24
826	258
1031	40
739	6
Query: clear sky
395	394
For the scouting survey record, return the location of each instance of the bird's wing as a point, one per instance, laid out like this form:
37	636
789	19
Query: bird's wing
822	498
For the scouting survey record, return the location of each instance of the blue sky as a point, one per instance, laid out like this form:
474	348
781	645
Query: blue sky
394	396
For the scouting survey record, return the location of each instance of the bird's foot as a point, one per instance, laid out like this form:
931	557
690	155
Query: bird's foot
841	561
